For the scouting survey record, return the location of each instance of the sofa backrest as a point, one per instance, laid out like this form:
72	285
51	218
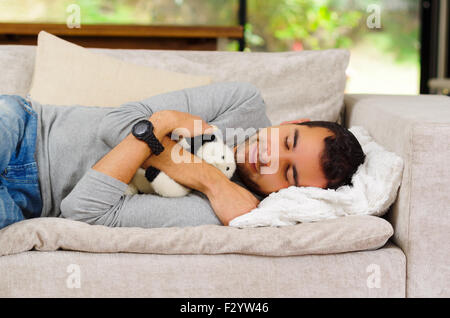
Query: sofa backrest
302	84
16	65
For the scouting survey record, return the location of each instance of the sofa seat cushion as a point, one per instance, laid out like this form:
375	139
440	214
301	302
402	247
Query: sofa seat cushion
379	273
352	233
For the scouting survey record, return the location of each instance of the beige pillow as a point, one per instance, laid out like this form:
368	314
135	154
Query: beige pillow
345	234
68	74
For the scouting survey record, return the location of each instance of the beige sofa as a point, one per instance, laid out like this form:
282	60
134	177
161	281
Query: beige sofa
414	263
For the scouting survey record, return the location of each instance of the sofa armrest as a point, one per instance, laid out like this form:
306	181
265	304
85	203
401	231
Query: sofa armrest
417	128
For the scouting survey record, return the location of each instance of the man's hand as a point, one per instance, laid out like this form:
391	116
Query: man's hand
229	200
188	170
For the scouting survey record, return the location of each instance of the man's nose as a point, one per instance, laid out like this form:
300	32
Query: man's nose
267	157
265	153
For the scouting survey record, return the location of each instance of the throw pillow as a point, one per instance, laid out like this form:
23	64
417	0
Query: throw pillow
68	74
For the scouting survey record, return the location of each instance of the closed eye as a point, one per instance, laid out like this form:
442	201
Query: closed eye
286	144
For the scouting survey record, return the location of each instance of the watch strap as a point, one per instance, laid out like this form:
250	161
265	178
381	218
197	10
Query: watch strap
154	144
151	173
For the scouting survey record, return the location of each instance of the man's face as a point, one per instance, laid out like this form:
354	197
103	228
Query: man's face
280	156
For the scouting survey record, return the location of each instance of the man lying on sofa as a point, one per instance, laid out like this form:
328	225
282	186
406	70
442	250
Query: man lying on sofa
76	162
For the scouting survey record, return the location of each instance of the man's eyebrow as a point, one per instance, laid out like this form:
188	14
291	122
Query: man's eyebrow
295	138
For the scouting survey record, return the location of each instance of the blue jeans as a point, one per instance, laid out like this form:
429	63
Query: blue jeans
20	195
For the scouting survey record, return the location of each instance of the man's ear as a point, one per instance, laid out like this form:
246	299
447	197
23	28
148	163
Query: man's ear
297	121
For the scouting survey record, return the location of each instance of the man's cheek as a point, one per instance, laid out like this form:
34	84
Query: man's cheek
272	169
240	154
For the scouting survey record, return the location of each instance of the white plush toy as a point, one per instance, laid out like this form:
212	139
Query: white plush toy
211	149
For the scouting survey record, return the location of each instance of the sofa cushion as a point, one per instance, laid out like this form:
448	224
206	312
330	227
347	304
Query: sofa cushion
351	233
293	84
379	273
68	74
417	128
16	63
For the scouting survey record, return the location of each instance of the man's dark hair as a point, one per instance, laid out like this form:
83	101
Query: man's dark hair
342	154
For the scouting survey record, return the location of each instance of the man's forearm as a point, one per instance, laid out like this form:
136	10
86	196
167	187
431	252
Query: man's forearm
196	174
123	160
227	199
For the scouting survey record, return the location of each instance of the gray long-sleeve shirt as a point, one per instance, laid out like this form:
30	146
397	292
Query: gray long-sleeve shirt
71	139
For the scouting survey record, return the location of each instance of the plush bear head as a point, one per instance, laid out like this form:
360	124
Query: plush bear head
219	155
213	150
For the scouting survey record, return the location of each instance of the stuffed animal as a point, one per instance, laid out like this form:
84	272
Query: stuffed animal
210	148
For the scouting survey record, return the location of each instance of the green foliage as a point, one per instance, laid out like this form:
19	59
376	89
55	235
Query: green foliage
251	37
280	25
111	12
312	23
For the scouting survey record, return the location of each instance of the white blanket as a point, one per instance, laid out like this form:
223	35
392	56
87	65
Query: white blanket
375	186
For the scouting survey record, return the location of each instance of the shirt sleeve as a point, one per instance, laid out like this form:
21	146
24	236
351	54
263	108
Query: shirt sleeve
224	104
99	199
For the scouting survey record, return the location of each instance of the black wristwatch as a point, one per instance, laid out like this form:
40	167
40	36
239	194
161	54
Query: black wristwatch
143	130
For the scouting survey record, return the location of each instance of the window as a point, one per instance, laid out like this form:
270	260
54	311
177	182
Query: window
384	58
174	12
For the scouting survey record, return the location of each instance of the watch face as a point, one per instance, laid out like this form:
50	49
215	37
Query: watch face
141	128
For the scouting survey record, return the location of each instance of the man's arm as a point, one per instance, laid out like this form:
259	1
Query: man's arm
124	159
224	104
229	200
98	198
192	173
